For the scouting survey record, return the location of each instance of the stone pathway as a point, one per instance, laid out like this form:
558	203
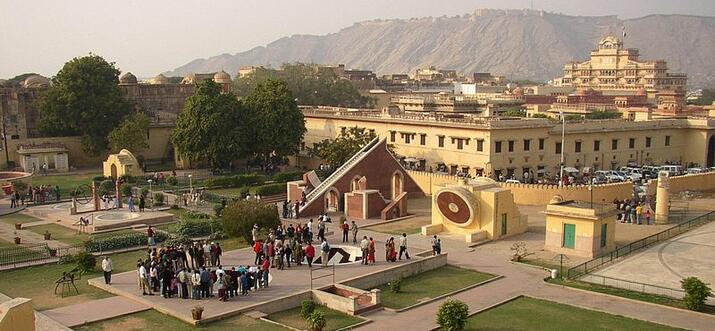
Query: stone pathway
95	310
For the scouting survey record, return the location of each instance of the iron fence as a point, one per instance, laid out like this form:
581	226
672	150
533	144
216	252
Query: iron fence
35	254
633	286
588	266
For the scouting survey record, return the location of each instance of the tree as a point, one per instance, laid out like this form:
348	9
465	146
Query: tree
213	127
514	112
337	151
239	217
277	124
696	292
539	115
309	83
84	100
452	315
130	134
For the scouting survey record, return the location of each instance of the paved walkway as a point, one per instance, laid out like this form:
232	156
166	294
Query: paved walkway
95	310
42	321
525	280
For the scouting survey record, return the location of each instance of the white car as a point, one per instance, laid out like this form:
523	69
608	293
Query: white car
513	181
695	170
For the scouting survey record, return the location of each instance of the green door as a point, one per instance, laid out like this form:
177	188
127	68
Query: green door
503	224
569	235
604	234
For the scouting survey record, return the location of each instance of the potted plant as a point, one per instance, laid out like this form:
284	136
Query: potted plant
53	252
18	226
196	312
17	240
47	235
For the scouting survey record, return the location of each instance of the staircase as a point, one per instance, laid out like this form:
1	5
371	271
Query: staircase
335	176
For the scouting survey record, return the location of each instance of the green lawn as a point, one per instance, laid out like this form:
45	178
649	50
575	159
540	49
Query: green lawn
61	233
534	314
229	192
335	319
18	218
37	283
153	320
67	183
430	284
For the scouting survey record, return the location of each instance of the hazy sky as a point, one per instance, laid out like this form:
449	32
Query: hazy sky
151	36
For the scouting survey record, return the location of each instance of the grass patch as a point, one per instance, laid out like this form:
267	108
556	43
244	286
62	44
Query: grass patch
534	314
430	284
61	233
546	264
229	192
67	183
335	319
37	283
18	218
154	320
409	226
646	297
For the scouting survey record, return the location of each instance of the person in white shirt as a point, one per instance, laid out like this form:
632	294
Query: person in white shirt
144	280
365	248
324	252
107	269
403	246
196	285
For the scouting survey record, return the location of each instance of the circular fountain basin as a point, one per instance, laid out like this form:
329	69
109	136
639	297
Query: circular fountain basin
10	176
116	216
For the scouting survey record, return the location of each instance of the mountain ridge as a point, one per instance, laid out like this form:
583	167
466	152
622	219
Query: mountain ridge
521	44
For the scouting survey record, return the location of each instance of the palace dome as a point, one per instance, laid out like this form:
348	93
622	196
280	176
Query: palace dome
222	77
127	78
36	81
160	79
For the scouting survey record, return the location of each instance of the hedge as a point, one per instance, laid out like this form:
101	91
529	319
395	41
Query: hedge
270	189
123	241
283	177
235	181
192	228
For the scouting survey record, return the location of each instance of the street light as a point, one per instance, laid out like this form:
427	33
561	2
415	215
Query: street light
191	186
563	134
151	196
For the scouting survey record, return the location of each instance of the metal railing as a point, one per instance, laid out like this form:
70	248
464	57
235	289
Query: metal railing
588	266
633	286
18	256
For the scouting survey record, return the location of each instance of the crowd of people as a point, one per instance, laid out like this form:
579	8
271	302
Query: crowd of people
35	195
633	212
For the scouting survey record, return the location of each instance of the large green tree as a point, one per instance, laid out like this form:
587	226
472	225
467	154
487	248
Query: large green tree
277	124
239	217
212	127
337	151
309	83
130	134
84	100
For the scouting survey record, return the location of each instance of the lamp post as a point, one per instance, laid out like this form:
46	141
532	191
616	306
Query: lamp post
563	134
151	196
191	186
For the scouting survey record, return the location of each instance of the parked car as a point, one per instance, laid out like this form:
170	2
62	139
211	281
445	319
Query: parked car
696	170
672	170
513	181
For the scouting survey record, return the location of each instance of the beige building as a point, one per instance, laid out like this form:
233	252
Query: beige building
500	146
612	67
580	228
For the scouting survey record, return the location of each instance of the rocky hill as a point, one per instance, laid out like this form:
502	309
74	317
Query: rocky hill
521	44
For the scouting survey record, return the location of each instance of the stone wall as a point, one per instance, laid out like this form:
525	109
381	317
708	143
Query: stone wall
695	182
416	266
536	194
17	314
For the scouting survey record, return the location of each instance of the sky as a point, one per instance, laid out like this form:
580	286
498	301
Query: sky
147	37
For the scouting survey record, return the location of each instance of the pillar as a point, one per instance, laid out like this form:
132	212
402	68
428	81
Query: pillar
118	192
662	198
95	197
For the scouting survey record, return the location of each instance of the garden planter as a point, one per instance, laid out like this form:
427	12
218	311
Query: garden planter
18	240
53	252
196	313
18	226
7	189
48	236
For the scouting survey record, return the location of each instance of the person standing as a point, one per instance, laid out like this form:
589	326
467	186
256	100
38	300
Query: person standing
371	251
354	230
365	248
107	270
309	254
150	236
403	246
144	279
639	213
324	252
142	203
196	285
647	216
265	267
346	229
254	232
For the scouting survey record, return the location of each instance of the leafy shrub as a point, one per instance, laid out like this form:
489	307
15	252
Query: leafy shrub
288	176
316	321
218	210
176	239
122	241
19	186
452	315
128	179
696	292
271	189
396	285
171	180
218	235
126	190
306	308
238	218
196	214
145	192
197	227
175	207
235	181
98	178
158	198
86	262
